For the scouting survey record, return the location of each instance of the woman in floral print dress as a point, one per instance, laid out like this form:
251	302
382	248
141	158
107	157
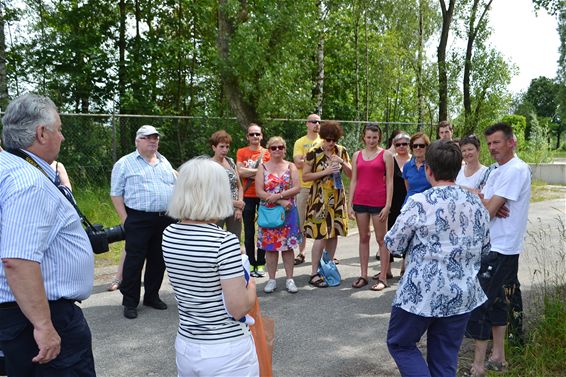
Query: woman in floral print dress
277	183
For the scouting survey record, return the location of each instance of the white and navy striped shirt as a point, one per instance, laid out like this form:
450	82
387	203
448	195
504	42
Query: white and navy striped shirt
197	257
38	223
144	187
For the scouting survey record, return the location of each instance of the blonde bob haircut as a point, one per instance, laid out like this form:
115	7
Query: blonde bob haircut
276	139
202	192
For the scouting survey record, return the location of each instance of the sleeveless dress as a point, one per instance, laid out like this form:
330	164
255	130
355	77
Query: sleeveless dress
288	236
399	194
326	216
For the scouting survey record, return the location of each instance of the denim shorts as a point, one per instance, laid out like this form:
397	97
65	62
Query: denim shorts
359	208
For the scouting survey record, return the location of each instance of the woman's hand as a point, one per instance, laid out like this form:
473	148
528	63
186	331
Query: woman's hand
273	198
351	213
384	214
285	204
237	213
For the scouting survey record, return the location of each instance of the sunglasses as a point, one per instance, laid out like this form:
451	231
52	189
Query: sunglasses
276	147
314	121
330	140
415	146
256	134
401	145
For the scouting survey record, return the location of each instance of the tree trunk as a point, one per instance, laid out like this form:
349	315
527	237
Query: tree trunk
367	65
473	28
124	140
420	100
318	90
447	14
357	68
245	113
3	76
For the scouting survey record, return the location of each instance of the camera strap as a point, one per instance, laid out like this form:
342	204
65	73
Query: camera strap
63	189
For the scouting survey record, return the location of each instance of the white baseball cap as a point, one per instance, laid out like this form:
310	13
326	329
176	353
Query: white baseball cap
146	131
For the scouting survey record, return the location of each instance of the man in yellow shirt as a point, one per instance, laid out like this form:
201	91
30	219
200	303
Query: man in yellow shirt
300	150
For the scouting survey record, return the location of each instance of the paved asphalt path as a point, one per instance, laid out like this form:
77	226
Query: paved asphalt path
318	332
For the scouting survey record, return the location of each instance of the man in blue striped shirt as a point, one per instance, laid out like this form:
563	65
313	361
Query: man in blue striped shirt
142	183
46	255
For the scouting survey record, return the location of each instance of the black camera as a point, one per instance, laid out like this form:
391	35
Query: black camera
101	237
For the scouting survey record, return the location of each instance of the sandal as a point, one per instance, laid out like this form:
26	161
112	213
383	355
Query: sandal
496	366
360	282
299	259
114	285
319	283
376	276
336	261
472	373
380	286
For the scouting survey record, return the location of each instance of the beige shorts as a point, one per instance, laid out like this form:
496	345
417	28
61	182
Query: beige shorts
301	199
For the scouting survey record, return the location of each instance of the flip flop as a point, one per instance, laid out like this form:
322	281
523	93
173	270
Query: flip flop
376	276
495	366
299	259
319	283
379	286
360	282
114	285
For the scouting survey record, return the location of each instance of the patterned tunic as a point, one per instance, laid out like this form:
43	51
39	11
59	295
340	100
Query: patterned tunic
445	231
288	236
327	215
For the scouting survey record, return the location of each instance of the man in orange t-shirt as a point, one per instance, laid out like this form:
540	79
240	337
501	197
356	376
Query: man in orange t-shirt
248	160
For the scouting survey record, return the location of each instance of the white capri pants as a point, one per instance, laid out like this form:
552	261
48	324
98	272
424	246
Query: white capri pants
237	358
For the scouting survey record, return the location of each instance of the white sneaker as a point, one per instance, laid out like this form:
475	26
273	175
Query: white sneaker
291	287
270	286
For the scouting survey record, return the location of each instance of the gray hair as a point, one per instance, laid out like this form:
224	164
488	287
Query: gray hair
22	117
202	192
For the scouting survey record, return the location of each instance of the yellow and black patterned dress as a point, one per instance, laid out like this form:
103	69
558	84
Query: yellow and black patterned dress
327	214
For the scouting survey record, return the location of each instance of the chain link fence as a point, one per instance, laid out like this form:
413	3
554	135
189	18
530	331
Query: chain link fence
93	142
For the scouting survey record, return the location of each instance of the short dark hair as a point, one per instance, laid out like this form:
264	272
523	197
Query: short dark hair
470	139
443	124
220	137
444	159
374	127
330	129
503	127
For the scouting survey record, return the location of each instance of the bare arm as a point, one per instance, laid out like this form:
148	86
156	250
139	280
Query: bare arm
493	205
299	160
389	171
26	282
63	176
238	298
246	172
239	204
118	202
259	189
353	182
309	175
296	183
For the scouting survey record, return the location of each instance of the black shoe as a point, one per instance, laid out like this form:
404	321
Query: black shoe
130	313
156	304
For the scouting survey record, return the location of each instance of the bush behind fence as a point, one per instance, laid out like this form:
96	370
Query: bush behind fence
94	142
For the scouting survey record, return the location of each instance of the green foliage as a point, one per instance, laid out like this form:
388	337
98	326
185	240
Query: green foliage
519	124
536	150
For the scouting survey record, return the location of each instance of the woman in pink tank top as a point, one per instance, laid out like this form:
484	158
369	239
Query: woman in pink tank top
371	192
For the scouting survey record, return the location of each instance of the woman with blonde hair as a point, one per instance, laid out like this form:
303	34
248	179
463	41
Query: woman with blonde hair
276	183
204	265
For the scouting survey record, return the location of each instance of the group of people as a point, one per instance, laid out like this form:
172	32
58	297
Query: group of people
458	227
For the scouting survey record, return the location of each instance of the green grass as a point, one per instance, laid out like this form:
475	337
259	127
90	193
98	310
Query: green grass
95	203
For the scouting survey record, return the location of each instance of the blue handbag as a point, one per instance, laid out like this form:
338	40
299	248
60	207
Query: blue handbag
271	217
328	270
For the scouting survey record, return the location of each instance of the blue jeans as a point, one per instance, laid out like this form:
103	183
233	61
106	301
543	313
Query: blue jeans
444	337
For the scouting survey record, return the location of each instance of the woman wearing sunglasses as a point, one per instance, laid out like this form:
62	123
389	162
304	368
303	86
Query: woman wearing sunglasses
414	170
327	215
371	192
276	183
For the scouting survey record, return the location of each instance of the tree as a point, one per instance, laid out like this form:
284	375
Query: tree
447	14
475	26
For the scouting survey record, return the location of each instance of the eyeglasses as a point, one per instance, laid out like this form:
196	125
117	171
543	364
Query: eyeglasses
401	145
276	147
416	146
329	140
314	121
256	134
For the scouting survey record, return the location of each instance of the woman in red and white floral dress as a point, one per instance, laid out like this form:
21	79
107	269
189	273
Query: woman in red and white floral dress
277	183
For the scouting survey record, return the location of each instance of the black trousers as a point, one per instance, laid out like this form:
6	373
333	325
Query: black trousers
19	346
144	232
249	216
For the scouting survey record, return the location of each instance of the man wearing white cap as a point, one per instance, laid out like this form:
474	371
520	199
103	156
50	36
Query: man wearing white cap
142	183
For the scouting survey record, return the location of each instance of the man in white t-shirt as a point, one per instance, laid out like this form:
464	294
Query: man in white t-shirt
507	191
300	150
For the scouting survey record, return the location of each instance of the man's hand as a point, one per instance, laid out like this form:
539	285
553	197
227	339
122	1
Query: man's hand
502	212
49	344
